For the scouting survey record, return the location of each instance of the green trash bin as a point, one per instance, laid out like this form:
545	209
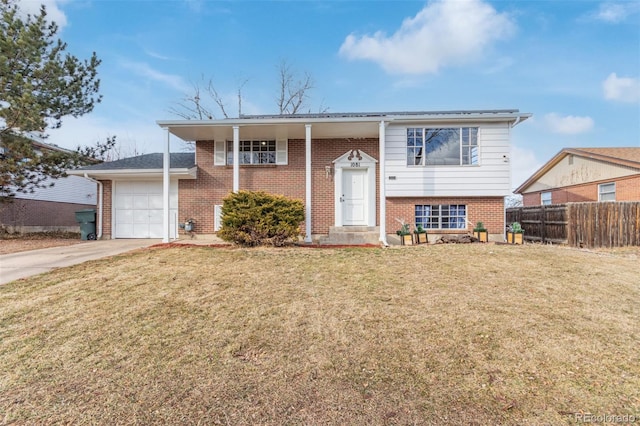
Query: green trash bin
87	220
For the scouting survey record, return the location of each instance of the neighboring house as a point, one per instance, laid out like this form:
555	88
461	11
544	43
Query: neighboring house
585	174
50	208
356	173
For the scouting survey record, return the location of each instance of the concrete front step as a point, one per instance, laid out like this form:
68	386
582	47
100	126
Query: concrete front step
351	235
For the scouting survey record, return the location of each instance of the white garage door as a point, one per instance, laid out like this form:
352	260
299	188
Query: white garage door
138	209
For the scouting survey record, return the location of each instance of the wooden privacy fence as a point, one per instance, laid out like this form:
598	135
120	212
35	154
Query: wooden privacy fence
606	224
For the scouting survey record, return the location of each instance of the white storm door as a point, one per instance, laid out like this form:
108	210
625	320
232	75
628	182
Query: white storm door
354	197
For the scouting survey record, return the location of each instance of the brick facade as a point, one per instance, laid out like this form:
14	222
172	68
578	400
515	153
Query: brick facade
197	198
489	210
37	215
627	189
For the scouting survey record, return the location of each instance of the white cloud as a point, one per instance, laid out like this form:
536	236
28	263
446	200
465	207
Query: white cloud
144	70
54	13
523	164
568	125
623	89
614	13
443	33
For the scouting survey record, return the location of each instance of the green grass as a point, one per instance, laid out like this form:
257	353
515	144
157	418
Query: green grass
447	334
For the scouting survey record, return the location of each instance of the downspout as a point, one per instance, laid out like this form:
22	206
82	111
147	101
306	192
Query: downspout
504	210
100	199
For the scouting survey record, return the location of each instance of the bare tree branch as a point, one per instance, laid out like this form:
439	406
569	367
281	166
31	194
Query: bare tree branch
293	92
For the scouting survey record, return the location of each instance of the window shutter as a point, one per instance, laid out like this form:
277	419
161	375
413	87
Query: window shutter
281	151
217	219
219	153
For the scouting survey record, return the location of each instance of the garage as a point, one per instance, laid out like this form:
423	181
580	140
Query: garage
138	210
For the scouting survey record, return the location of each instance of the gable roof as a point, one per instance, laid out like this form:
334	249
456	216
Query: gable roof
622	156
179	160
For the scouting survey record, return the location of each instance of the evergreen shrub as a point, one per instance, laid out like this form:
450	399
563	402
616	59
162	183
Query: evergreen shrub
252	218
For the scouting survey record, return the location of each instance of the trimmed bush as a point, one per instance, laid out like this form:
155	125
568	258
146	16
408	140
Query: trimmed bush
252	218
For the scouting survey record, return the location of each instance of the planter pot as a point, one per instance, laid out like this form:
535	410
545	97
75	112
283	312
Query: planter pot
406	240
514	238
482	236
421	238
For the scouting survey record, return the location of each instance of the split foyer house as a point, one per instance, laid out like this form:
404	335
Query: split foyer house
355	172
585	174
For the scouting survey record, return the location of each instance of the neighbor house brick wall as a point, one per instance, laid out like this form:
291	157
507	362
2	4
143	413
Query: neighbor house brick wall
35	213
488	210
627	189
197	198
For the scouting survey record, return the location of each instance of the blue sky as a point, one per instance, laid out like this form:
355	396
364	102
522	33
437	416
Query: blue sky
574	64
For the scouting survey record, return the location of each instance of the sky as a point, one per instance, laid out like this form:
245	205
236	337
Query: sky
575	65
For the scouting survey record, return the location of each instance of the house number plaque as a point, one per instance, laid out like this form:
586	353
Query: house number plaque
355	164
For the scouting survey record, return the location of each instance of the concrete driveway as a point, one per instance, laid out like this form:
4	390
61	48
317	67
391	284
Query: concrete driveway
25	264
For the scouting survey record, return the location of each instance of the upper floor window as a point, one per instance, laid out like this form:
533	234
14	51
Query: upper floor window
607	191
545	198
253	152
444	216
454	146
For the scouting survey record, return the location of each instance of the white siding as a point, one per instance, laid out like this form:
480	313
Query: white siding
72	189
490	178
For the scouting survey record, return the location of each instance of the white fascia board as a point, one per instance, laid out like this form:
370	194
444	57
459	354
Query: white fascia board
182	173
480	116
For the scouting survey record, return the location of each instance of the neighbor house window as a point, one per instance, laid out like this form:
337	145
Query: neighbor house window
545	198
253	152
443	216
607	192
455	146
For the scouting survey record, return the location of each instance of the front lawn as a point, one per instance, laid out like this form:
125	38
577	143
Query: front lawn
446	334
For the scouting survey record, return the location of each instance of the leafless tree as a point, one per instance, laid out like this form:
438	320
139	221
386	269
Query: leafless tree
293	89
293	95
514	200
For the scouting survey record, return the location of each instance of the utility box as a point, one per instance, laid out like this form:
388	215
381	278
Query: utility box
87	220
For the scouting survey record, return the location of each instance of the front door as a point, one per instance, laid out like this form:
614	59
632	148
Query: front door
354	194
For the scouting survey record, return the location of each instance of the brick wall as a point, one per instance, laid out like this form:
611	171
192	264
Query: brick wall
490	211
627	189
106	210
47	215
197	198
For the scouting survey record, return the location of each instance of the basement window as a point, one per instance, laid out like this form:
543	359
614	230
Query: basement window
443	216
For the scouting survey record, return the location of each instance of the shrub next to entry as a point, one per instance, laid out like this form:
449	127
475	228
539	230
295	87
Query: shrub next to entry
252	218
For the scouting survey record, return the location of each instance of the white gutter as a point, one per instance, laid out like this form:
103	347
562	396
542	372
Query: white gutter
100	200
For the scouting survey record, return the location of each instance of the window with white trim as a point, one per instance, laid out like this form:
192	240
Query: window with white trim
607	191
453	146
545	198
254	152
442	216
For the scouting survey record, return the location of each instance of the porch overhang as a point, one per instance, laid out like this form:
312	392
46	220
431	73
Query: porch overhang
325	126
135	174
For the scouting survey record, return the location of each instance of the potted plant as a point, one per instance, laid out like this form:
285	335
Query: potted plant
480	232
406	239
420	235
189	225
515	233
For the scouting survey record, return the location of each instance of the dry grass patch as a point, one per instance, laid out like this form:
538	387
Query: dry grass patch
474	334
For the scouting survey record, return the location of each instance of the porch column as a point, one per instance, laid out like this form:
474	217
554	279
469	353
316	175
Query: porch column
166	220
383	191
307	166
236	158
